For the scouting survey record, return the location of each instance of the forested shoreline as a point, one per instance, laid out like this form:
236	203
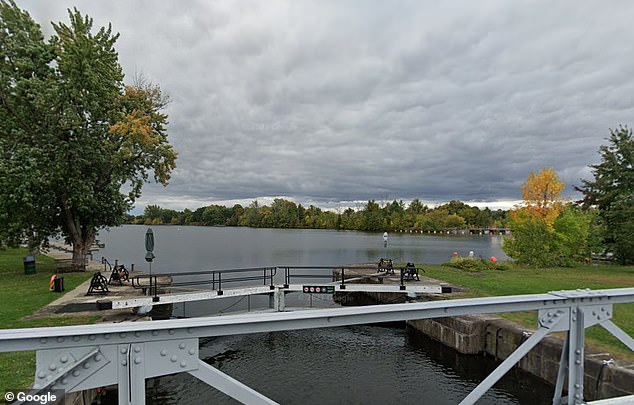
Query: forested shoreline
372	216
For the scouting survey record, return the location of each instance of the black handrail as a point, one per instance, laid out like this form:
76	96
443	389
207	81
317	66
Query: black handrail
216	278
105	263
212	277
288	276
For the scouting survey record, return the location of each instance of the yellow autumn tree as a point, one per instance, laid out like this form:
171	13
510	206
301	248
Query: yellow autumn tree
542	195
546	232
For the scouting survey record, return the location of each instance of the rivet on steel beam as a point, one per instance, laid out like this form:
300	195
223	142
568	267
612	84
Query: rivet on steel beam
603	309
122	334
155	333
60	339
192	351
137	349
43	340
64	381
577	361
137	333
41	374
76	373
174	359
574	310
594	313
52	367
163	352
64	359
76	338
171	331
574	319
86	365
92	337
190	330
124	350
98	357
578	351
608	313
183	364
577	386
106	336
137	360
181	346
124	362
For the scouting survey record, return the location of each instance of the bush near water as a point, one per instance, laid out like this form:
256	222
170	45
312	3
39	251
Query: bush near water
475	264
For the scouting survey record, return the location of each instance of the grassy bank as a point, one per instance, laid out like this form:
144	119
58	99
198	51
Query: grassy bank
519	280
22	295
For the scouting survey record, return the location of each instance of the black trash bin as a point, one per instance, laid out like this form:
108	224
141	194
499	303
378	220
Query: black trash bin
58	284
29	265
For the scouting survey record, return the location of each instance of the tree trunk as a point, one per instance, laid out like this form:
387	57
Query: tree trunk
81	248
82	237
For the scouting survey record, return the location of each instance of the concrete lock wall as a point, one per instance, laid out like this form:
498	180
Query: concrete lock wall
496	337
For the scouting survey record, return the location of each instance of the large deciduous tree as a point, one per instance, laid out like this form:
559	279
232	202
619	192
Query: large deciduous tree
612	193
545	230
72	135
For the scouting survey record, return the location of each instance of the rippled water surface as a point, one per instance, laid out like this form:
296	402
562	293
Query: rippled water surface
352	365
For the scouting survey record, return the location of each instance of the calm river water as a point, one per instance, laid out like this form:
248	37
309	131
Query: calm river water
352	365
191	248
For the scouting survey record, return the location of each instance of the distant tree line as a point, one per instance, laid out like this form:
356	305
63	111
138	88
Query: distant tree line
372	217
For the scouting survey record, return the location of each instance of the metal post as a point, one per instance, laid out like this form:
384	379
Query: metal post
343	279
131	375
156	297
576	356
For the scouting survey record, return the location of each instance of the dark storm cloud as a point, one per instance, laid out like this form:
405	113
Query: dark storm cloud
349	101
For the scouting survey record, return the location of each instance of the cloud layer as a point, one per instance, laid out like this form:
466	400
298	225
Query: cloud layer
347	101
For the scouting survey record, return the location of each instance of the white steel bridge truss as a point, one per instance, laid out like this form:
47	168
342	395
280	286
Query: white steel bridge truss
75	358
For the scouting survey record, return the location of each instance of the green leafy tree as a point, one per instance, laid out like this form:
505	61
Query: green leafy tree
547	232
72	134
612	192
571	233
372	219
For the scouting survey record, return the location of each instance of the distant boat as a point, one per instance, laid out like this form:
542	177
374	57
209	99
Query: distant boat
385	236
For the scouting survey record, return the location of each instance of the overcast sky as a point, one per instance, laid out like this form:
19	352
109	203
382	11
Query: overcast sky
332	102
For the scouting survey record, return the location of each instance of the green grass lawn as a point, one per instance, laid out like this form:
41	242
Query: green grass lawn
22	295
520	280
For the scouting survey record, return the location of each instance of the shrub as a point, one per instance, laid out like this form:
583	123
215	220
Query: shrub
475	264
